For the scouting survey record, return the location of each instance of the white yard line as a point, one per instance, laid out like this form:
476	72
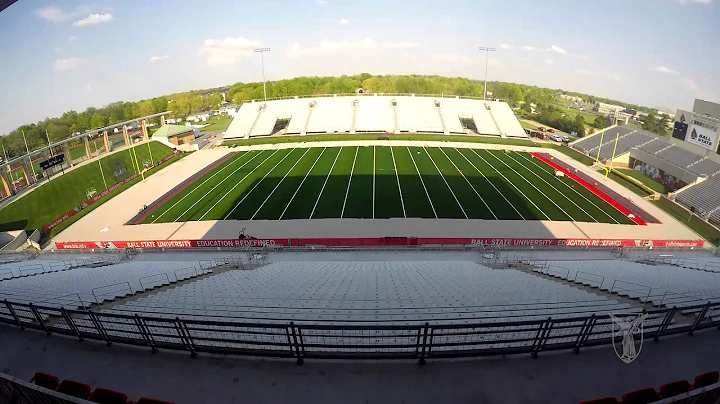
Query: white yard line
301	183
373	204
531	160
446	183
278	184
513	185
325	183
493	185
551	185
258	183
532	185
347	191
398	182
235	160
469	183
217	185
422	182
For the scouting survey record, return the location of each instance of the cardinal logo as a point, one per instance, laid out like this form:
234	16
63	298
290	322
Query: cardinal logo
627	327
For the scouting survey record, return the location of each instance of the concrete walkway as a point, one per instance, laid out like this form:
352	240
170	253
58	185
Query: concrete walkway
560	377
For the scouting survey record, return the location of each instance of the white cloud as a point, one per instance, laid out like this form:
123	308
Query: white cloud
580	56
93	19
54	14
228	50
558	50
600	73
158	58
666	70
58	49
62	65
321	2
697	91
694	1
366	44
528	48
73	38
344	21
452	58
505	46
549	62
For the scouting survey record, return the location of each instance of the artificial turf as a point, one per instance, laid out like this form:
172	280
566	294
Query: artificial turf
385	182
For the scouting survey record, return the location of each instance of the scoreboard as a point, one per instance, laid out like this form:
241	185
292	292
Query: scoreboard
700	130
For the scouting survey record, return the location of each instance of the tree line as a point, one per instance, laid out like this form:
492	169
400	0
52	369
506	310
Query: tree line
519	96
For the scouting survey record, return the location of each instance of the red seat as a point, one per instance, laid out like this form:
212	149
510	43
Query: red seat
706	379
45	380
642	396
107	396
674	389
75	389
144	400
606	400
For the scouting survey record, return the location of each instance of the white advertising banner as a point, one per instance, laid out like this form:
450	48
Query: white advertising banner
702	136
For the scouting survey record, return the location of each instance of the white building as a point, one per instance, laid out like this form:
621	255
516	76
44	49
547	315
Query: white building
229	110
201	117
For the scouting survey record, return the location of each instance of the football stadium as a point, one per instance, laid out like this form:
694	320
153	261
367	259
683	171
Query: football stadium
365	227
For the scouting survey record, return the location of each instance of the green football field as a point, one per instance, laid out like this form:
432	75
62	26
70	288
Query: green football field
377	182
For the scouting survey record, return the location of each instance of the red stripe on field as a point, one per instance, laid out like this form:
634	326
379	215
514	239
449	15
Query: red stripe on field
617	205
179	188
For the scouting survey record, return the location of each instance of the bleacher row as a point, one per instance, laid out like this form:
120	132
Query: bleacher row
642	140
676	391
359	114
85	392
704	198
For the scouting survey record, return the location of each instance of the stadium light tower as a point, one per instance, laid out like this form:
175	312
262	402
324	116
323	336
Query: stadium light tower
262	51
487	52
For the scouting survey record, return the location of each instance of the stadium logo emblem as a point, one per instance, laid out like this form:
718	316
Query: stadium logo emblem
627	327
693	135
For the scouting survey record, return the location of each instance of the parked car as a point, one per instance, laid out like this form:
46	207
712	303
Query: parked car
565	139
556	138
551	130
542	129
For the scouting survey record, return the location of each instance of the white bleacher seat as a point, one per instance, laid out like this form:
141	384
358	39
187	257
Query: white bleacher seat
372	292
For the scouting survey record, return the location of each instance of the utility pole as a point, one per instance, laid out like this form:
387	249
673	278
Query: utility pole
487	55
262	51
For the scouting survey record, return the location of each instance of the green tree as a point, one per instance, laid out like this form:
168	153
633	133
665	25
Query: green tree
146	108
216	100
600	122
98	121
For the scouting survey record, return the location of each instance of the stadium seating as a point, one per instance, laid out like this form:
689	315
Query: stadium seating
653	147
678	156
675	388
74	389
80	287
668	390
624	144
372	292
703	197
107	396
706	379
705	166
347	114
45	380
641	396
660	284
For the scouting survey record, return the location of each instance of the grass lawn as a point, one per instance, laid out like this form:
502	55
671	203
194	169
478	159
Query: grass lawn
647	181
632	186
384	182
698	225
574	154
217	123
62	193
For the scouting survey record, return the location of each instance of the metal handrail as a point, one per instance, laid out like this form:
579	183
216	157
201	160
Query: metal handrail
107	286
142	287
419	341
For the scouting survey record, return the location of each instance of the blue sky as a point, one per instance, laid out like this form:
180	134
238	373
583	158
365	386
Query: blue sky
56	56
